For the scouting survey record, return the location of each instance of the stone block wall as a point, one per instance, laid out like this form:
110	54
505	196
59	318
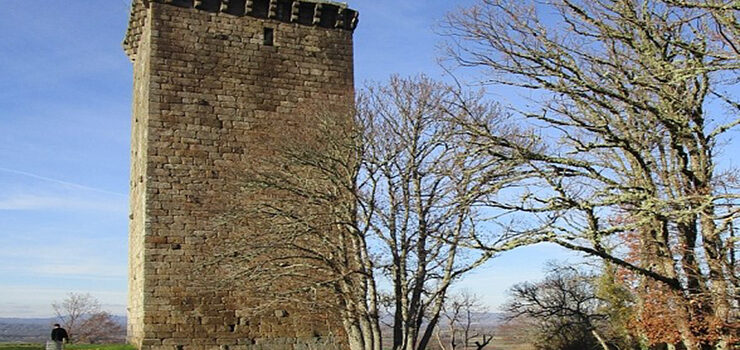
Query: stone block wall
208	82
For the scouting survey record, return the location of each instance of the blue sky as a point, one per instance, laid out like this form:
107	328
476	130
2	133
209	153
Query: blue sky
65	97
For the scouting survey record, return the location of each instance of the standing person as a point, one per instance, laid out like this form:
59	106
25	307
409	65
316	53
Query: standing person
58	337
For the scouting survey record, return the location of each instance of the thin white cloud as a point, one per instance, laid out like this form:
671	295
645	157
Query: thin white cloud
33	202
98	258
83	269
91	262
71	271
61	182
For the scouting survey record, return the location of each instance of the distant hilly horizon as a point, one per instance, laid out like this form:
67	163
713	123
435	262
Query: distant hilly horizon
36	329
33	329
51	319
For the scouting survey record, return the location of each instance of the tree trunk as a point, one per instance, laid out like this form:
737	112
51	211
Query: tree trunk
354	336
601	341
428	332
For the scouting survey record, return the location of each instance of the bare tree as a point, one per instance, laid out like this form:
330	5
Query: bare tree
352	204
85	321
568	312
423	183
463	313
634	93
100	327
447	332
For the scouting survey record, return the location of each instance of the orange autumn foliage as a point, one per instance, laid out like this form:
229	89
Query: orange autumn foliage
658	307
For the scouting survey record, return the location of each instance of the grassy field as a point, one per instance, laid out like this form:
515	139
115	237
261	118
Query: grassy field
14	346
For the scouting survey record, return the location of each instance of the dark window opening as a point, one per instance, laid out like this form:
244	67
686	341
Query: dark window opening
305	13
208	5
284	10
182	3
260	8
329	14
236	8
269	37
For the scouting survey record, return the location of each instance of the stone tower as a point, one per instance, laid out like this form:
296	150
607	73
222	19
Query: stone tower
207	75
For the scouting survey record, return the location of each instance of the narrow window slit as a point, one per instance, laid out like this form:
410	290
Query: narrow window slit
269	37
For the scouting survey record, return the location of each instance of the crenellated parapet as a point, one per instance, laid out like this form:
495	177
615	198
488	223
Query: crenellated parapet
319	13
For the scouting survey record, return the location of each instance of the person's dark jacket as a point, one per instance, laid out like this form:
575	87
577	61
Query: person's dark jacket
59	334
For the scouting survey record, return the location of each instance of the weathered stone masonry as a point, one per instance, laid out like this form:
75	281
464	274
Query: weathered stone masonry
208	75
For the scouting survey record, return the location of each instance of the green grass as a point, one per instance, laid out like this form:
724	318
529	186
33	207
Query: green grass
99	347
12	346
